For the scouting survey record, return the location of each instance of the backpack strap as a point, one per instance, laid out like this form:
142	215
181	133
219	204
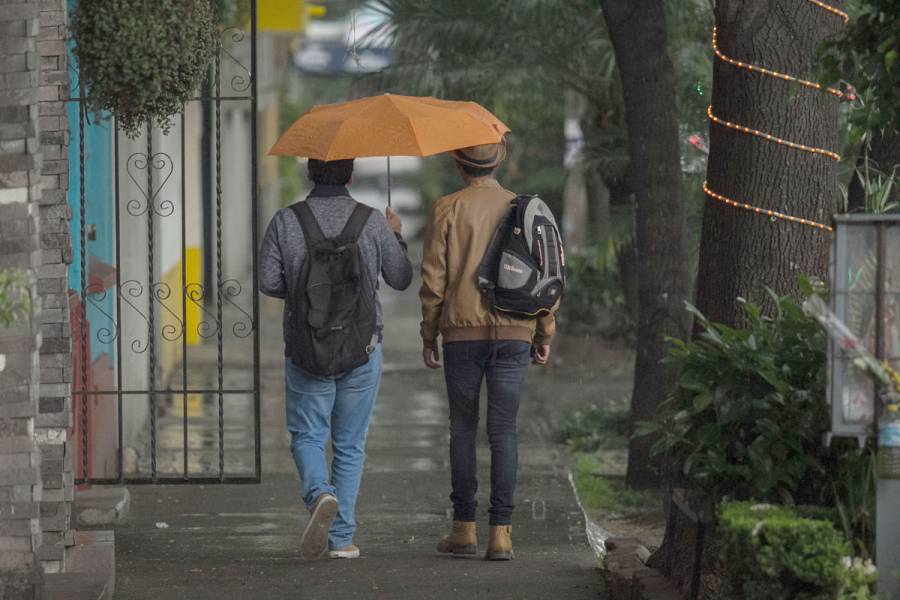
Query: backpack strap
486	275
311	230
355	224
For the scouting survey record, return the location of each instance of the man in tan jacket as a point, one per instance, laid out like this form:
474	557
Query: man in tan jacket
478	344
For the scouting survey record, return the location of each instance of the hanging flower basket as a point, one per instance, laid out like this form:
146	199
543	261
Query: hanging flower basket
141	61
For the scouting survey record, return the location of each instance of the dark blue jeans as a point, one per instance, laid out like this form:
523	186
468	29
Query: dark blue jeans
466	364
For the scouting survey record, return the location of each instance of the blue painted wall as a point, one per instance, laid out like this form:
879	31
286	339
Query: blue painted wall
100	211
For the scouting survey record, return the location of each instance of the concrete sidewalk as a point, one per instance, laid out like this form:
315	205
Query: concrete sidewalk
225	542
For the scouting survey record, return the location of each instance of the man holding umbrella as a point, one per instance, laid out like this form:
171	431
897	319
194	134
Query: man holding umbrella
336	395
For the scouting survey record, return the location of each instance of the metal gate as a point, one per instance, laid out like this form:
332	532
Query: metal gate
164	305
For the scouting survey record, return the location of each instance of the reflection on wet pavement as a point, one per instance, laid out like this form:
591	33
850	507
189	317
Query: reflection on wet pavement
199	413
241	541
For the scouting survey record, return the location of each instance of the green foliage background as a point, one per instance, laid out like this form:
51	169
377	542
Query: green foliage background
867	55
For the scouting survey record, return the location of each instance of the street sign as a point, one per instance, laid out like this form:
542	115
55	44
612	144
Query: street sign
287	16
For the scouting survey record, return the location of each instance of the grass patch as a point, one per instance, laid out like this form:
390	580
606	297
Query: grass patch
605	493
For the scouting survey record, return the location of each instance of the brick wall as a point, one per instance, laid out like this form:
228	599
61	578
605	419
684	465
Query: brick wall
20	194
55	405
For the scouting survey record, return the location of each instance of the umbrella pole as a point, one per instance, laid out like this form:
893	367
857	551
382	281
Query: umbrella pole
389	180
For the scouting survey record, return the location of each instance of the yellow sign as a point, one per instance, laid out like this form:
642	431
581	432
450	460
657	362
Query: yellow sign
288	16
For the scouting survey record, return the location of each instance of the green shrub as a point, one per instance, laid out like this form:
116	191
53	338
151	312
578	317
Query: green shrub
597	427
14	299
780	552
749	418
749	414
140	60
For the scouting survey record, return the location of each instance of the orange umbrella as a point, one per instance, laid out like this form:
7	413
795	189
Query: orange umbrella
389	125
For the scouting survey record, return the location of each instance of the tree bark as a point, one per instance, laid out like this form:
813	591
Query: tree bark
637	29
741	252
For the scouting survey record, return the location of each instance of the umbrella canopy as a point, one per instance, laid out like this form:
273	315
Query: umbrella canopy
389	125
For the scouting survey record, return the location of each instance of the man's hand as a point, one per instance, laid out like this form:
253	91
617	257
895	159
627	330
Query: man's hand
432	358
540	354
393	220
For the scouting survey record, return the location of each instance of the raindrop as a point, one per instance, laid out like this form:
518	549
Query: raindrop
538	510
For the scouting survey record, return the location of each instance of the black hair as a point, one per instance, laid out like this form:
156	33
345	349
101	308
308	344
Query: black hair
476	171
333	172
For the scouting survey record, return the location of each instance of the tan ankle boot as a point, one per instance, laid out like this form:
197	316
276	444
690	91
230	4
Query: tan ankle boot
461	540
500	546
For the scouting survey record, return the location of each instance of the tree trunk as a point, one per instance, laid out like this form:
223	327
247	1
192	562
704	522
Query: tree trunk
884	155
599	208
742	252
637	29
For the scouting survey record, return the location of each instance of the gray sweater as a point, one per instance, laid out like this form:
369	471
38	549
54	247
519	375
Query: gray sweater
284	247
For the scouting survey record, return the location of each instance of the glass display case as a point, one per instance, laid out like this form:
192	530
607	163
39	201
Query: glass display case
865	298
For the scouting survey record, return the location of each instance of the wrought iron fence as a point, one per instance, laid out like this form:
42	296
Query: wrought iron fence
164	306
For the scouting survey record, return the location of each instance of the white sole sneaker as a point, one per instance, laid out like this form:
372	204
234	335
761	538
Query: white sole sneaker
351	552
314	542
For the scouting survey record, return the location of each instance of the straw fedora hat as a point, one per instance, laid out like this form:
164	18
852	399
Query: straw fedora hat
484	156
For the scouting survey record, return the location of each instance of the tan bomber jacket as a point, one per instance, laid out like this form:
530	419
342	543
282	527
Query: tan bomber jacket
458	234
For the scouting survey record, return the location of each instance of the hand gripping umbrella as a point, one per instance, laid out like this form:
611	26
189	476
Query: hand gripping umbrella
389	125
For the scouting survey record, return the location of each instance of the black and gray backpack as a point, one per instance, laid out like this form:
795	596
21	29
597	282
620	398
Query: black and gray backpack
332	304
523	270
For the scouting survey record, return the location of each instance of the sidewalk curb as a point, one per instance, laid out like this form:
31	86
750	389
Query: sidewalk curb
623	563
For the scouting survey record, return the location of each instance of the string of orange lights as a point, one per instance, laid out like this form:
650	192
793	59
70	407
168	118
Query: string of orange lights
775	215
771	138
764	71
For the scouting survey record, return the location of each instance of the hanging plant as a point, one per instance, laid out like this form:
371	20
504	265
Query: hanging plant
142	60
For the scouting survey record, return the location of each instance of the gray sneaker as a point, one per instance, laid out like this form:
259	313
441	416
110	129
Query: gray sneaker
314	542
350	551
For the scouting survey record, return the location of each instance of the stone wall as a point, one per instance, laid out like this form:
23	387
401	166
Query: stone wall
55	406
20	195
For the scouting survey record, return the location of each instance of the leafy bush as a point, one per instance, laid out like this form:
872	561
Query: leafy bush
779	552
749	414
597	427
595	300
14	298
142	60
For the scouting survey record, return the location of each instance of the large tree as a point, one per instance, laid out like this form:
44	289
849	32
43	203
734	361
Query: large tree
742	252
638	32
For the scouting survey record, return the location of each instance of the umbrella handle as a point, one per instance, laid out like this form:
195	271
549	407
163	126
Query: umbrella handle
389	180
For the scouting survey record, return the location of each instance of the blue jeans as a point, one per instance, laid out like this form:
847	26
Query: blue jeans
341	406
466	364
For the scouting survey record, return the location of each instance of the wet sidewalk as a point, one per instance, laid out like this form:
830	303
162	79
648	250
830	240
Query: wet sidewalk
230	542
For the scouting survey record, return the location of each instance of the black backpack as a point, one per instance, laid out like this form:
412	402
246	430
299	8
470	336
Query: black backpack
523	270
332	304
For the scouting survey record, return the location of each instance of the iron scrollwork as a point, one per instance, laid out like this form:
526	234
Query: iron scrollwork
196	293
231	288
240	82
160	161
96	295
161	291
134	289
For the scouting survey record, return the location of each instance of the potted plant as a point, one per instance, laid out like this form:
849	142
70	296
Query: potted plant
141	61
